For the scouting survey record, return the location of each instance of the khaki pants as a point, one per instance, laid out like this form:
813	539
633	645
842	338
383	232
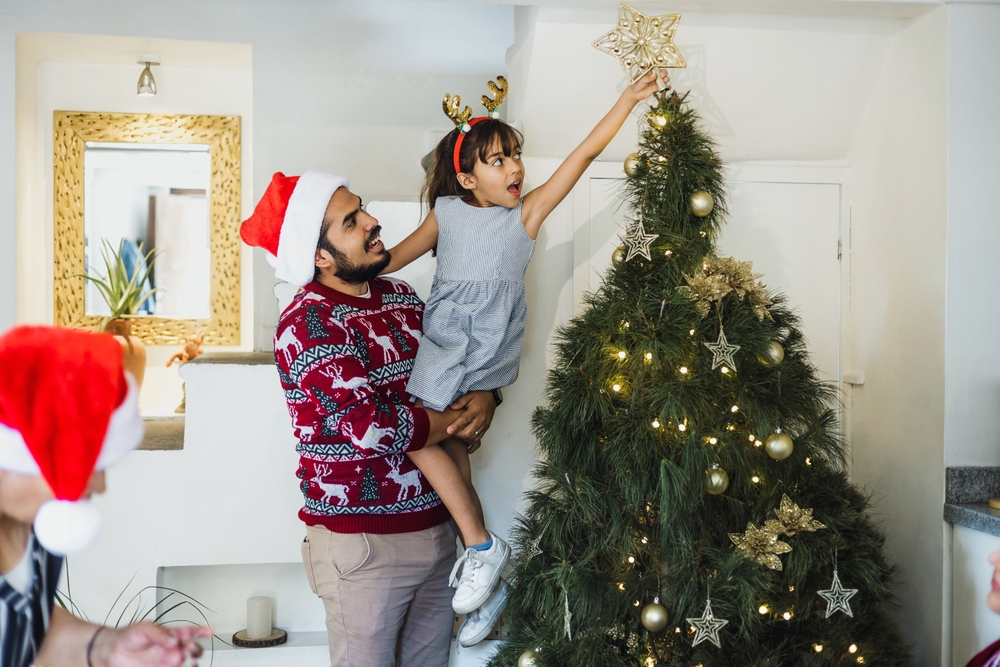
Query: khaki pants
387	597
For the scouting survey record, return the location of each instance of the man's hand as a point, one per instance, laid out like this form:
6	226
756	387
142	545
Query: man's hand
148	645
478	408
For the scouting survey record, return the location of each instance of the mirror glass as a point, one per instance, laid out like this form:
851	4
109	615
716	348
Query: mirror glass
144	197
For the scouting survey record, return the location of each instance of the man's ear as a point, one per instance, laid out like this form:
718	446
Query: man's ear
321	260
467	181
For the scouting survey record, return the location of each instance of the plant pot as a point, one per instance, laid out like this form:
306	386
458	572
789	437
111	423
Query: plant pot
133	349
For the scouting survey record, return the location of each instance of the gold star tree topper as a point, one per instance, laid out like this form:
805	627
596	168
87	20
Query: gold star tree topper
642	43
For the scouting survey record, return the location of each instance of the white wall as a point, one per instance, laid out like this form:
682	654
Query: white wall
897	255
972	379
769	87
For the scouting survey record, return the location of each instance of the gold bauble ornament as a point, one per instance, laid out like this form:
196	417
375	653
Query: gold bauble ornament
528	659
773	354
659	119
779	446
701	203
631	164
654	616
618	256
716	480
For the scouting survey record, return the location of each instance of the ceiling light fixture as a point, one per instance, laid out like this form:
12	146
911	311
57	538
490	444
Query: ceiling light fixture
147	85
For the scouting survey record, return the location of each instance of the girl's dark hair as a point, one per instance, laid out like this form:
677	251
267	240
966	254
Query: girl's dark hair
441	178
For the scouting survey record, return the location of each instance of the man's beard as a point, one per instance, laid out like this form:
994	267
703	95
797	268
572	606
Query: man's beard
356	274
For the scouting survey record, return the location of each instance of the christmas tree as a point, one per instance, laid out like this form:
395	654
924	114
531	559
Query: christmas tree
693	507
369	486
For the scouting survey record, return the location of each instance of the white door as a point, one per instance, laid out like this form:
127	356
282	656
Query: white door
786	220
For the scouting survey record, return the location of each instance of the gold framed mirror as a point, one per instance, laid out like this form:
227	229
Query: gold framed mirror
145	181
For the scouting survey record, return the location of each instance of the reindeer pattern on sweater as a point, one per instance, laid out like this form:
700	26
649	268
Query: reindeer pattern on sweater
344	363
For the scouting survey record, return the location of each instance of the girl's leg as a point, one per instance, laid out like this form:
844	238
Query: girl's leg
457	449
447	479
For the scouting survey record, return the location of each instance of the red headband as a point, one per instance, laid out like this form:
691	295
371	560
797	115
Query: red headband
461	138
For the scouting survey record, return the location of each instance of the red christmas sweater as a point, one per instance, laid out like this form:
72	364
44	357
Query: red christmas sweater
344	362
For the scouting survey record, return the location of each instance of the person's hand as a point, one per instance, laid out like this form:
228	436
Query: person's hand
478	408
646	85
473	446
147	645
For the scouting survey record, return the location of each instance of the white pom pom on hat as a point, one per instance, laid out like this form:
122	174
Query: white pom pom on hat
287	221
67	409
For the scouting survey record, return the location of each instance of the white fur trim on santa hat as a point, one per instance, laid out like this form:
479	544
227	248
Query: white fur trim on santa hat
65	527
125	429
301	226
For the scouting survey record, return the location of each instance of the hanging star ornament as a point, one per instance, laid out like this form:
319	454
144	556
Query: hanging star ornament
638	241
837	597
761	545
722	351
707	627
642	43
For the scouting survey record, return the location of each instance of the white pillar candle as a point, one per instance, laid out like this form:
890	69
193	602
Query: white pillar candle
258	617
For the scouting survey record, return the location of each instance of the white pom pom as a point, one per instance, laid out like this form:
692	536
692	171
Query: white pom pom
65	527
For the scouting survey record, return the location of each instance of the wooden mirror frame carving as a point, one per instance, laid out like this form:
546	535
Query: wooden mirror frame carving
222	133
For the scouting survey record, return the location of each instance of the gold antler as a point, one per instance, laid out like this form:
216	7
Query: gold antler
451	106
499	90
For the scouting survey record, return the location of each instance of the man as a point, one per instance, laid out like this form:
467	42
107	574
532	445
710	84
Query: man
379	546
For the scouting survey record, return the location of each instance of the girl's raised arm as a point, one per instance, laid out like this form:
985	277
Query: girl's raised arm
414	246
542	200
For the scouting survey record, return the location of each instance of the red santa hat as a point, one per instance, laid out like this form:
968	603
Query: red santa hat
67	408
287	222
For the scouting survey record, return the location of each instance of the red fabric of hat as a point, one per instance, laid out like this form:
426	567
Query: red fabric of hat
263	228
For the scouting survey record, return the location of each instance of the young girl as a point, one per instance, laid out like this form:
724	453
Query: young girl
484	232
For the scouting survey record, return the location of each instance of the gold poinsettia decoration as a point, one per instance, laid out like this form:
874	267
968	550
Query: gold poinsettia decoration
761	545
721	276
792	519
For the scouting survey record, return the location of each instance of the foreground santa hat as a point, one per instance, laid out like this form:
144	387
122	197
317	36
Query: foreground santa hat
67	408
287	222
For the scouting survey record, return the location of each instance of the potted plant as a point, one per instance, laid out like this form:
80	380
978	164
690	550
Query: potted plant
125	290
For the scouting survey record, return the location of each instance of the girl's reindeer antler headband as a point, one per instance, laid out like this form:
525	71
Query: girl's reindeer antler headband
463	120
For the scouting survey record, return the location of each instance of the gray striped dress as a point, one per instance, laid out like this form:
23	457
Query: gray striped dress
475	316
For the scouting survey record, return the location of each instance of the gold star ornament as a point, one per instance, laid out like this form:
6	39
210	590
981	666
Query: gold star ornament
642	43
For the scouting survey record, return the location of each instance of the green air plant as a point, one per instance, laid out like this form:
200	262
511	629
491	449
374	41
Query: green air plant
124	294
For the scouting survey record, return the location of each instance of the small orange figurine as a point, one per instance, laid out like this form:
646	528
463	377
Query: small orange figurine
191	350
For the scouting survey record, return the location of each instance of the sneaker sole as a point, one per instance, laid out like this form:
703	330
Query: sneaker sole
476	603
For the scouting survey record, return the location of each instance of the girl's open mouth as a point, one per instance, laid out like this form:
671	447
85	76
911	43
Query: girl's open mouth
515	188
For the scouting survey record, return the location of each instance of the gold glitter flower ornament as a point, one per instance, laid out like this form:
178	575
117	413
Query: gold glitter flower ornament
642	43
720	276
762	544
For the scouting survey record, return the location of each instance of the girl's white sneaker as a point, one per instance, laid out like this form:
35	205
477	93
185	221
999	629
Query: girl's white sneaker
476	575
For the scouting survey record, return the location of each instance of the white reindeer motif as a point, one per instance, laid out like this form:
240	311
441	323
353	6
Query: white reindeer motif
288	340
401	318
338	491
370	440
389	352
336	374
306	432
407	481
